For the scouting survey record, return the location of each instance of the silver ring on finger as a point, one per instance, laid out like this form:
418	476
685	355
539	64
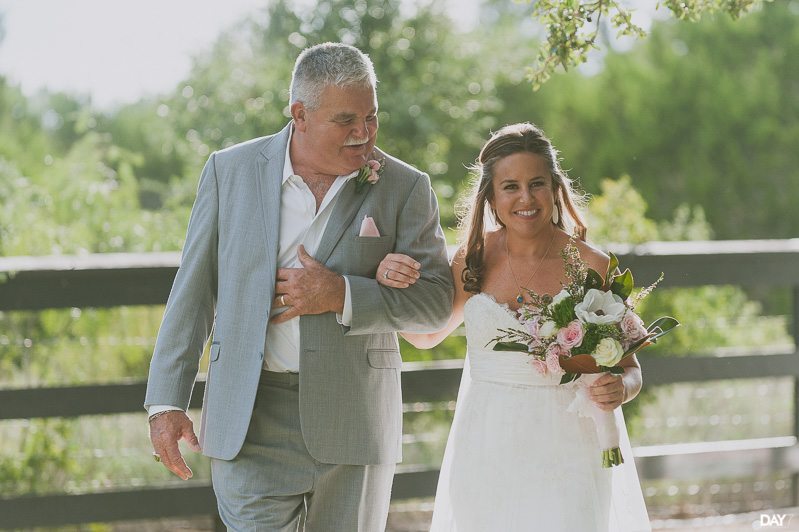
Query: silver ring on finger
283	301
385	274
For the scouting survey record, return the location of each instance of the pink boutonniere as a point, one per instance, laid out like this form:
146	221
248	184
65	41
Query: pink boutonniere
369	173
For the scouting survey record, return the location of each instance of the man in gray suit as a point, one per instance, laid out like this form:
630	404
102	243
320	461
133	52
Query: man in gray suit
302	414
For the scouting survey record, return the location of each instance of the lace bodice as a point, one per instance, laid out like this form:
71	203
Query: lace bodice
483	318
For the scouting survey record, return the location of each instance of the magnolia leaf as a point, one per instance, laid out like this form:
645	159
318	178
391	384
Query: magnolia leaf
593	280
510	346
579	364
612	266
613	370
569	377
622	284
661	327
637	346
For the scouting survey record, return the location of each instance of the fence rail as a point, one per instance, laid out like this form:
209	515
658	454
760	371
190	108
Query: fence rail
35	283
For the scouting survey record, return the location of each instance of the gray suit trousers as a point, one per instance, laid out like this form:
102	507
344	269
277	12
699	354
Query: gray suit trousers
274	484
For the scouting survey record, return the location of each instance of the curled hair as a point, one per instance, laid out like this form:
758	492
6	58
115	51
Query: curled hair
515	138
329	64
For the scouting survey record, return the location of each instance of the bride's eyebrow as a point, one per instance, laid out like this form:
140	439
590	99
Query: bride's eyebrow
514	180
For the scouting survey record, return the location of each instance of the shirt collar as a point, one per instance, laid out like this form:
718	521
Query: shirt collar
288	169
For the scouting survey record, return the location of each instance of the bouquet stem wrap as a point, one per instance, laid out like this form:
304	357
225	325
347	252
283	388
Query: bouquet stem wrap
607	426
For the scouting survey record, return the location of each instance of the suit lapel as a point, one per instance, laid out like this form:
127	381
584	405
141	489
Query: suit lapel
347	205
270	177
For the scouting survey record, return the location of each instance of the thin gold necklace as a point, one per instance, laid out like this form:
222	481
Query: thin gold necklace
520	296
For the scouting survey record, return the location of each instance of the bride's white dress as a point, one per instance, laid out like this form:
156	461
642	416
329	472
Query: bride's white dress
516	460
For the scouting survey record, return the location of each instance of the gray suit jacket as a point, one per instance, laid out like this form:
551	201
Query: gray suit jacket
350	399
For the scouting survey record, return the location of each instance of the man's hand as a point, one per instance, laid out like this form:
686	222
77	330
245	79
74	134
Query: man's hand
165	432
312	289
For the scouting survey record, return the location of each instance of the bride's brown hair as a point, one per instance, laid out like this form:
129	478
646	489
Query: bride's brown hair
511	139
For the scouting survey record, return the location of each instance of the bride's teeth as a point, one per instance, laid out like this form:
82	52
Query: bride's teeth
526	213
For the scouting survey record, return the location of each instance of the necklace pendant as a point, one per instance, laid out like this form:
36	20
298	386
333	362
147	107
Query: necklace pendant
519	299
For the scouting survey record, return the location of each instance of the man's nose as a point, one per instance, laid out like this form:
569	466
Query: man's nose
363	129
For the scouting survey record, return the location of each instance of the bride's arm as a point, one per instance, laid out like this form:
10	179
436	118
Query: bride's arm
401	271
631	379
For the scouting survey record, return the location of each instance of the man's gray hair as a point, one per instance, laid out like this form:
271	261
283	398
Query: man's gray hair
329	64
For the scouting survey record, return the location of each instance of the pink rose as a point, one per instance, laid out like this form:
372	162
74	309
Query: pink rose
532	325
554	352
368	174
632	326
571	335
374	171
539	365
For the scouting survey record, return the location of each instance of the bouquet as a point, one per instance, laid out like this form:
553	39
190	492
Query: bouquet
589	327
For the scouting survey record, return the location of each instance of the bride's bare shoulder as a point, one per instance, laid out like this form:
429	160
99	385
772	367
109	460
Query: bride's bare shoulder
494	254
493	238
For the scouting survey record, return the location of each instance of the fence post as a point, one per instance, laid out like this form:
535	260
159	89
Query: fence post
795	331
219	526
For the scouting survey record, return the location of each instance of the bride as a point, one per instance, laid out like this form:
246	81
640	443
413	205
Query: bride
516	458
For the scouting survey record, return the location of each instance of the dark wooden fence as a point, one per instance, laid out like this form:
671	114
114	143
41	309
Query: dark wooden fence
34	283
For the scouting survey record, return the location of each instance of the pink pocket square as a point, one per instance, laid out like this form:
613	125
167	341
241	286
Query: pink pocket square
368	227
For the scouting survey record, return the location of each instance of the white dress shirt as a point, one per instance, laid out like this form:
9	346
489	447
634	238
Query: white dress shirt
300	223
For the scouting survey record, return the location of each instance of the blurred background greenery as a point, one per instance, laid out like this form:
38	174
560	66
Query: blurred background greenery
689	134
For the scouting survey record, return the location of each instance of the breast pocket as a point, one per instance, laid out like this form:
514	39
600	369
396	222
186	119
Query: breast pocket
362	254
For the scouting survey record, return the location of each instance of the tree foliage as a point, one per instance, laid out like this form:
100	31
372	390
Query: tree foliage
573	27
703	113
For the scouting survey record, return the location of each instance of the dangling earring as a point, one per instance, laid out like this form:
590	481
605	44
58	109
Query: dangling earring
556	214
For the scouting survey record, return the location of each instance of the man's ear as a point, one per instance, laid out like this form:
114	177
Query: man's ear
298	114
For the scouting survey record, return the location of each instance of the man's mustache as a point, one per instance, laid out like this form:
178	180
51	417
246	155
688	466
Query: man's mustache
356	142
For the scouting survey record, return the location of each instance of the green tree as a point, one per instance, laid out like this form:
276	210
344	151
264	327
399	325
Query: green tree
574	27
162	154
707	113
23	142
86	201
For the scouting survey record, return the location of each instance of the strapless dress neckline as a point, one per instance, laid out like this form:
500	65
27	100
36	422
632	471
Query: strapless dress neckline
484	316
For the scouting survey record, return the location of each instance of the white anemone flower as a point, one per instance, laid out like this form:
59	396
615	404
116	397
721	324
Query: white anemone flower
600	307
